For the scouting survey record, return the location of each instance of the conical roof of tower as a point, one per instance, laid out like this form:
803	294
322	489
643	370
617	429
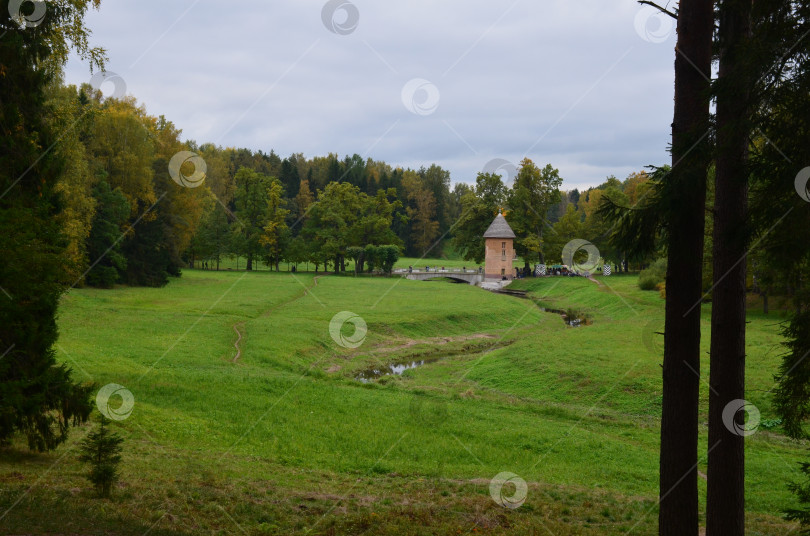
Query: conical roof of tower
499	228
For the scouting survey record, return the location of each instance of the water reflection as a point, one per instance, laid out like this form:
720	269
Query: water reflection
392	368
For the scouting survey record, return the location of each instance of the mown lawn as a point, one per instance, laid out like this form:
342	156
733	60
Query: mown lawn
286	440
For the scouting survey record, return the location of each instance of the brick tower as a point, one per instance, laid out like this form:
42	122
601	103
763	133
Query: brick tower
499	249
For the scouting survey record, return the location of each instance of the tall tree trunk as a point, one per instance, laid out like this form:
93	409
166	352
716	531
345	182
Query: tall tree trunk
686	191
249	263
725	500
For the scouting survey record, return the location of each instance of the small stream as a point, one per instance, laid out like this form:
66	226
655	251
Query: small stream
395	369
573	322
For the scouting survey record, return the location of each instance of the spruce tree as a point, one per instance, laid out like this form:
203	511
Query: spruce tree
148	258
102	450
107	261
38	398
684	191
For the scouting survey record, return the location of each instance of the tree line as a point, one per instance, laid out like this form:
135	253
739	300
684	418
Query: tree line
128	220
297	210
544	217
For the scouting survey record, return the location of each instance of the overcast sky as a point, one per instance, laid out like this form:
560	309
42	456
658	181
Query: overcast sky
585	85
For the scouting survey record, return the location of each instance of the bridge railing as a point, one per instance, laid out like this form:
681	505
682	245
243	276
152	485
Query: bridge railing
436	271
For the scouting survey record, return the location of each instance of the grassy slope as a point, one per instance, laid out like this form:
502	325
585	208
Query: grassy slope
285	440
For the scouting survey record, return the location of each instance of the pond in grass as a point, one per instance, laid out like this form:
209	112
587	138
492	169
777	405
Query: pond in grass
395	369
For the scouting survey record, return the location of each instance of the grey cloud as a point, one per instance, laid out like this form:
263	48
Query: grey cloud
541	69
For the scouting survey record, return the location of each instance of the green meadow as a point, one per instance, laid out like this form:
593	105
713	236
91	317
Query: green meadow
286	440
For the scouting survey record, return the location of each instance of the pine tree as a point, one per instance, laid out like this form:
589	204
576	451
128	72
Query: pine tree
104	243
38	398
102	450
685	193
725	495
148	257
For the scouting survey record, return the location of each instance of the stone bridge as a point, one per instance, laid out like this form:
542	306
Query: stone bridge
472	277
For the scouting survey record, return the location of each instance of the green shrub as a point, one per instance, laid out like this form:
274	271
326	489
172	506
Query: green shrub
649	278
647	282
